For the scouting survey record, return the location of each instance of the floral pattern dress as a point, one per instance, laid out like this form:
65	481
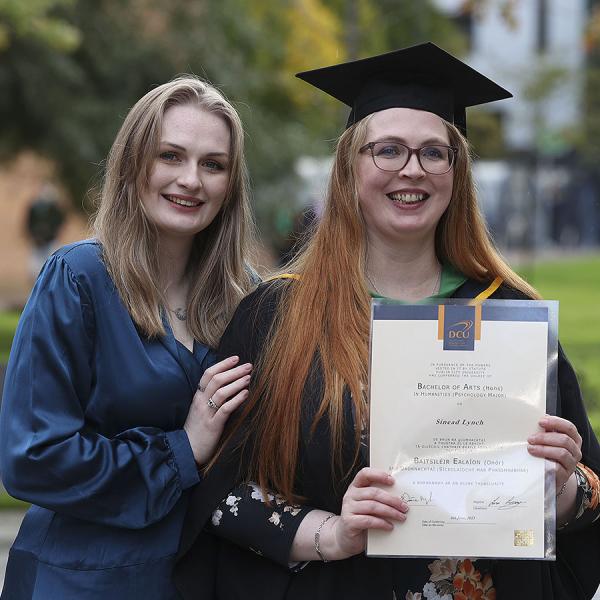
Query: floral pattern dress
455	579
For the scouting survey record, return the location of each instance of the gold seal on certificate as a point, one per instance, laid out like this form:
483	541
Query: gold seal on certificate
455	390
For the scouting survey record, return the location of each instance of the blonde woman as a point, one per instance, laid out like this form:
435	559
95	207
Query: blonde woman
112	401
401	221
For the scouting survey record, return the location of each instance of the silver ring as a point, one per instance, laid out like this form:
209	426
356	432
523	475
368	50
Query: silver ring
212	404
201	388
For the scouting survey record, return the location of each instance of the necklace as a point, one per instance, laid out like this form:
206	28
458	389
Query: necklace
180	313
372	284
434	291
438	281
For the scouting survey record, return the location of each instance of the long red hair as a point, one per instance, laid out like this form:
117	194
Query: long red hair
325	313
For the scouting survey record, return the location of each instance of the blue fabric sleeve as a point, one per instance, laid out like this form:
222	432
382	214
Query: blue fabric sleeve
50	454
179	444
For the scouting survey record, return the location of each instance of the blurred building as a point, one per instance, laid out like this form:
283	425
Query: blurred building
534	48
21	181
314	173
541	196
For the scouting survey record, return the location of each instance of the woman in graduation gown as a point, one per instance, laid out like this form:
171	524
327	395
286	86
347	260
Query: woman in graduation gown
108	409
401	221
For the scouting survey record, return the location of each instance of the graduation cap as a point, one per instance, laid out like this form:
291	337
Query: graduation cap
424	77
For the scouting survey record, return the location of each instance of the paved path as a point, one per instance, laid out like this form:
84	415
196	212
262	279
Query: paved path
9	525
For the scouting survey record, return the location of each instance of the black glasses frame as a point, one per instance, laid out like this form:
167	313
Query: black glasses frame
452	154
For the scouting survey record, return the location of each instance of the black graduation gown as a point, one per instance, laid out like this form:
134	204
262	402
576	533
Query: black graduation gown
212	568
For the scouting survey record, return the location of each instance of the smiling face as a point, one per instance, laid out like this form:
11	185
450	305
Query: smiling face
190	174
407	204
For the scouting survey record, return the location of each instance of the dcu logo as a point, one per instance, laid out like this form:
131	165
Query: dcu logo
459	330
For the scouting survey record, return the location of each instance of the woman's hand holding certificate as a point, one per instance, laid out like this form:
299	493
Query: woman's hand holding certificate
366	507
560	443
456	393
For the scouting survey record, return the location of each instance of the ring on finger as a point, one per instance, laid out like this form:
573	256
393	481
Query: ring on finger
212	403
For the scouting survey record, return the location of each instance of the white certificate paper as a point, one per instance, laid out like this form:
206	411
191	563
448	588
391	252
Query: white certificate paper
455	391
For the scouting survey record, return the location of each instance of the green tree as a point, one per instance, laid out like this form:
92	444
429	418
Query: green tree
34	19
383	25
67	105
66	100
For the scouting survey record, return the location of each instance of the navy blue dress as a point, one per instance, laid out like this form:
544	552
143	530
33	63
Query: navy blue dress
91	434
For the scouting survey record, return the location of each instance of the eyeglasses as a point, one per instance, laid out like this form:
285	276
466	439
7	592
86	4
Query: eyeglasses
394	156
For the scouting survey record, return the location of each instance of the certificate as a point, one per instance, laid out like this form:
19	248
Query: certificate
455	390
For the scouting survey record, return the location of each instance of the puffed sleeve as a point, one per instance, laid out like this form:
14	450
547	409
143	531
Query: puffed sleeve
49	454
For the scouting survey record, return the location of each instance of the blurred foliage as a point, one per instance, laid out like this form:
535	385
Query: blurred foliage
543	80
485	134
589	139
319	36
374	26
67	106
66	100
407	23
32	19
71	69
506	9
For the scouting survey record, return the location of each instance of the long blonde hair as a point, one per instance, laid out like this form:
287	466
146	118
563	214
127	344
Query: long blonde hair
325	315
218	274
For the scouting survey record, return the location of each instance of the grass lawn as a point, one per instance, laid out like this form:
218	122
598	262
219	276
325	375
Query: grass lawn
7	501
8	324
576	285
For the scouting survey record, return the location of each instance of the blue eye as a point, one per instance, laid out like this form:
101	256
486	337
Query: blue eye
168	156
213	165
388	150
434	153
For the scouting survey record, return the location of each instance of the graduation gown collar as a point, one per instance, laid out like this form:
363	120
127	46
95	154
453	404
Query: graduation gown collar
478	291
